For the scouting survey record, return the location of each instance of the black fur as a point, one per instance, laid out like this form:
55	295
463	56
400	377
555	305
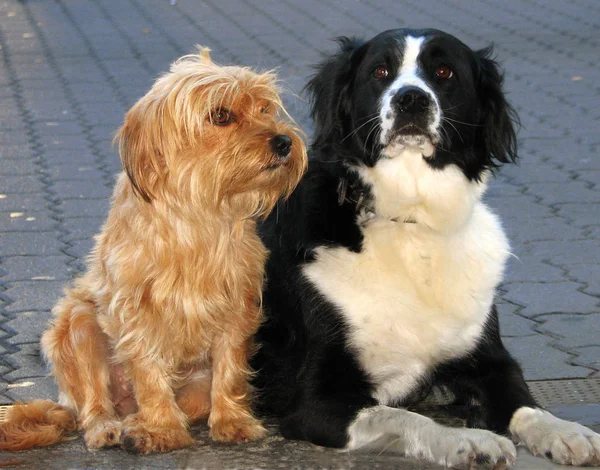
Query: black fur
307	375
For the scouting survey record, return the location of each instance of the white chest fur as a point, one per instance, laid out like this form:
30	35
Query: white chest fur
415	296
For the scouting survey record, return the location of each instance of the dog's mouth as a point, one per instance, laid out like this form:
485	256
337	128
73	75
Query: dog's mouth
276	162
413	136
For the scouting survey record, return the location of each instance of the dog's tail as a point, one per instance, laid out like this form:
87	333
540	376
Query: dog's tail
35	424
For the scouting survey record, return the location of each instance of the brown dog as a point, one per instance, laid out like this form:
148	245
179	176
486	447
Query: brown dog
158	332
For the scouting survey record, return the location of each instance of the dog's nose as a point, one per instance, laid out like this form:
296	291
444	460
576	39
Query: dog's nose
411	100
281	145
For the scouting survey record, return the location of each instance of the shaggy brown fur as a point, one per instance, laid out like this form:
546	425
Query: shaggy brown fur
158	332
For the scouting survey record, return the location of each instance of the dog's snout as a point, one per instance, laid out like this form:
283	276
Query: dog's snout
411	100
281	145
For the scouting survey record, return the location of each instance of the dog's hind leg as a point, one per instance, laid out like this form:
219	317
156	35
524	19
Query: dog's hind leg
78	351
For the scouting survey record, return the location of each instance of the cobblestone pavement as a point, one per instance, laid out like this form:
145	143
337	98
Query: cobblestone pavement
69	69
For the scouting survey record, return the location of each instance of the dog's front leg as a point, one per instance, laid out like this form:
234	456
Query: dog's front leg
492	386
159	425
230	416
416	436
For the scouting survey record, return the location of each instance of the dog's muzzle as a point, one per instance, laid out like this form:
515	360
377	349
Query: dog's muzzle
281	145
410	120
412	108
411	101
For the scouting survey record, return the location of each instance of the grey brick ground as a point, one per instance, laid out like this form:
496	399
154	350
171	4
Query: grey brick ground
69	69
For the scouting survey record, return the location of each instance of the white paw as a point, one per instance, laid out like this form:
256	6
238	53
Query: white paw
561	441
474	448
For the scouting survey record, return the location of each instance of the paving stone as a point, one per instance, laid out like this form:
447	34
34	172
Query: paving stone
525	228
36	268
77	157
564	192
56	129
28	362
27	222
512	325
30	243
523	205
29	326
80	249
84	207
580	215
23	202
82	228
14	150
63	144
588	356
16	166
572	331
589	274
42	388
523	268
529	172
81	190
572	253
75	171
33	295
22	184
541	361
552	297
13	139
587	414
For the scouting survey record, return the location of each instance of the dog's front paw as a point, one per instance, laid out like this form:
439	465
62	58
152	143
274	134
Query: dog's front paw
237	430
140	438
474	448
561	441
103	434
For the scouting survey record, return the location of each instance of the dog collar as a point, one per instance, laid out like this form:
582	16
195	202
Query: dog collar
364	211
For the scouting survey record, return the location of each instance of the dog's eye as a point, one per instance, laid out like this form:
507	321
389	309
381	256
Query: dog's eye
221	117
443	71
265	109
380	72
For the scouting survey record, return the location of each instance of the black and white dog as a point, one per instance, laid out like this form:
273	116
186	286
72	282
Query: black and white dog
384	264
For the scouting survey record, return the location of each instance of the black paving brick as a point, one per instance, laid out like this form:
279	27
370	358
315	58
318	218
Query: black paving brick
40	295
29	243
36	268
21	184
30	221
80	170
21	203
28	325
79	249
16	166
28	363
82	228
84	207
80	190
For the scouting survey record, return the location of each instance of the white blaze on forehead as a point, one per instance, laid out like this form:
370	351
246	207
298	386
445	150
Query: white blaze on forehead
408	75
408	70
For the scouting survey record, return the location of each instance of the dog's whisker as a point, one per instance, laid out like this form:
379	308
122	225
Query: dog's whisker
454	127
446	118
360	127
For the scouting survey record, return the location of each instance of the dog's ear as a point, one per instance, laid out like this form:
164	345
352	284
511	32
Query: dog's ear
498	117
140	144
329	86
